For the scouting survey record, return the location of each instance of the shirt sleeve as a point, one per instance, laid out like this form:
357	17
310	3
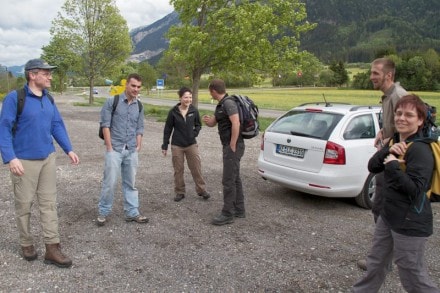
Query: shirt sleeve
8	116
106	113
230	106
167	130
140	122
197	123
59	131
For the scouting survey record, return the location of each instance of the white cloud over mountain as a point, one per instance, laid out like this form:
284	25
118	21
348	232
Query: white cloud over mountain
25	24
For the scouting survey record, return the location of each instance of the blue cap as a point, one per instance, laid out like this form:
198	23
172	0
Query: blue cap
37	64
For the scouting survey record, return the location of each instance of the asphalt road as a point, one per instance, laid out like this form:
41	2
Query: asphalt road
155	100
268	113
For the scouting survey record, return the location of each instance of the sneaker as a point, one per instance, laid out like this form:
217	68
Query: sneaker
100	221
138	219
179	197
362	264
222	220
205	195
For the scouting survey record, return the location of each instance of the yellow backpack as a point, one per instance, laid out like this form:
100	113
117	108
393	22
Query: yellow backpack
433	193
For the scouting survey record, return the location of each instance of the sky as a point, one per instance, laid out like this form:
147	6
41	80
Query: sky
25	24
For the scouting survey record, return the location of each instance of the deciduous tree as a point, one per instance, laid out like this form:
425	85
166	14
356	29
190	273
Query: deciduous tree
59	53
340	73
242	36
96	33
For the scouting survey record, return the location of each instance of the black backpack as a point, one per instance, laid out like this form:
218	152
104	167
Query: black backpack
21	98
429	126
248	113
115	104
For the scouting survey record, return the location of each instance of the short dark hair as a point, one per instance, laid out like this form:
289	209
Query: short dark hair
414	101
134	76
183	90
217	85
388	65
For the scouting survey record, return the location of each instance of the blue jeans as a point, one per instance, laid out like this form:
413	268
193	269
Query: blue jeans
126	163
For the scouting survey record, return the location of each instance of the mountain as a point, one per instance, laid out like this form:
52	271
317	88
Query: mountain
149	41
348	30
16	70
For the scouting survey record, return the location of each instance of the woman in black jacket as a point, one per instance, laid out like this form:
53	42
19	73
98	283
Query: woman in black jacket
183	122
405	223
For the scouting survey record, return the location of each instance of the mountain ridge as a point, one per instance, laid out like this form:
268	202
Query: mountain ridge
351	31
149	41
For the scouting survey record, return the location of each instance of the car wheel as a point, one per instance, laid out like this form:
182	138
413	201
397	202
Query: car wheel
366	197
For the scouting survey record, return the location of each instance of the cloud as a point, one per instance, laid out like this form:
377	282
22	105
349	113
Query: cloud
24	28
143	12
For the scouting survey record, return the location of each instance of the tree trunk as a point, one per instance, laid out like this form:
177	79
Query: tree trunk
91	97
195	88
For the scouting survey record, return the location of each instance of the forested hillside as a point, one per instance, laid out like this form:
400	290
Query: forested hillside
356	30
347	30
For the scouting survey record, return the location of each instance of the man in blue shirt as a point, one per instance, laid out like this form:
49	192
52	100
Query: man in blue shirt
26	145
123	129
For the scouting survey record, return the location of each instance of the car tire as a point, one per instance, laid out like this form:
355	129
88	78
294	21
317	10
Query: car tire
366	197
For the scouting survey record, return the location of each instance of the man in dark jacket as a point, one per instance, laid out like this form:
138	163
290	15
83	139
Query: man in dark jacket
228	120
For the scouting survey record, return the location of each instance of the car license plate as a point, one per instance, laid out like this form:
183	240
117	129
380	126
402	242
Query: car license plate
290	151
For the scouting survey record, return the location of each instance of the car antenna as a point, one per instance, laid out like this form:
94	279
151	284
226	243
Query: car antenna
326	104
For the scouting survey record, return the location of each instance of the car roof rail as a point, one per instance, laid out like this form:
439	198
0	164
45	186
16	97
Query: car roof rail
355	108
327	104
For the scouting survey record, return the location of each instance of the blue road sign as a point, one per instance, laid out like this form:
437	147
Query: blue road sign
160	84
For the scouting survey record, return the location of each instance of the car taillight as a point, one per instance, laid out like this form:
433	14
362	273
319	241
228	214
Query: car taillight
262	142
313	110
334	154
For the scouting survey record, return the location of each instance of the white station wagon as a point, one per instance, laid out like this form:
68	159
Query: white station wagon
323	149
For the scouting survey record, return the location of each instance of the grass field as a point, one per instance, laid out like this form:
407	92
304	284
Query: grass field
286	98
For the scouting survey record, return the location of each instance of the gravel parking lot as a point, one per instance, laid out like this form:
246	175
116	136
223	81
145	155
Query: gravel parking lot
289	241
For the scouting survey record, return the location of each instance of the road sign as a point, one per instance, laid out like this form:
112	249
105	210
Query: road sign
160	84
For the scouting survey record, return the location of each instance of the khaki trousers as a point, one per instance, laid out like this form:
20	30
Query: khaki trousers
39	180
194	164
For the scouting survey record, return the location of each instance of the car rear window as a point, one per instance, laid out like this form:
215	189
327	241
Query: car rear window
305	123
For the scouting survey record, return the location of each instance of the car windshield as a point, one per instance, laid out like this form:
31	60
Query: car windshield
306	123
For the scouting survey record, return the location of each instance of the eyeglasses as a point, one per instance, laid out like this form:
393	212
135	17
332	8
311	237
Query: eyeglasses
44	73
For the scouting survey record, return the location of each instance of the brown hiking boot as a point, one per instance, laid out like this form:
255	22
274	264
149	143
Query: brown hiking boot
29	253
56	257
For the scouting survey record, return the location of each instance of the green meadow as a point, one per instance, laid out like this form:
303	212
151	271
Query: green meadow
287	98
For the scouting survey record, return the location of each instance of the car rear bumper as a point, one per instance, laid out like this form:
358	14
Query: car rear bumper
327	182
